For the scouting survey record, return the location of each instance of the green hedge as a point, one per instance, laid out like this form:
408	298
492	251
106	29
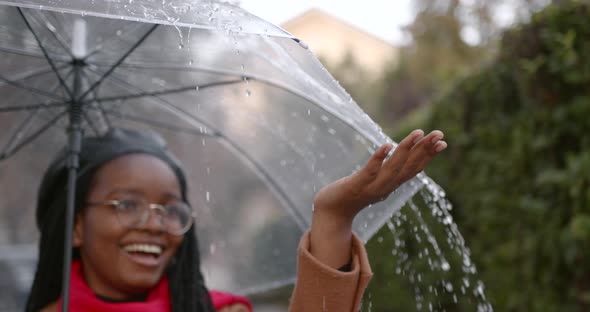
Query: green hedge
518	166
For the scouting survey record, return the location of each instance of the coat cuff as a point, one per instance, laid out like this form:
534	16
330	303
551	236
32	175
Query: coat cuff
322	288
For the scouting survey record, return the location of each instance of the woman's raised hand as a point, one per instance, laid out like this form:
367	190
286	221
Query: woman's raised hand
336	205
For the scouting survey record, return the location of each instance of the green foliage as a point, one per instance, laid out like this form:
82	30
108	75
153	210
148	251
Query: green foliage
518	165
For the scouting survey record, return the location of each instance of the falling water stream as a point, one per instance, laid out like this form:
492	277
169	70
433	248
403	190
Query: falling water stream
423	254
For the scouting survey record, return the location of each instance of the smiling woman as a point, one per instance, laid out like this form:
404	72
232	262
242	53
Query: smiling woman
135	247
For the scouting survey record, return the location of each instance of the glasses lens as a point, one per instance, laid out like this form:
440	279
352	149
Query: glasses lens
177	218
130	211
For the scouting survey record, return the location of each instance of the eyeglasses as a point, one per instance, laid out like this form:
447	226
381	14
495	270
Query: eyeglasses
176	217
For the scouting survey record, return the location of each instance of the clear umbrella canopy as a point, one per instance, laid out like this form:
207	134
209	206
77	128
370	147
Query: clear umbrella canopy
257	121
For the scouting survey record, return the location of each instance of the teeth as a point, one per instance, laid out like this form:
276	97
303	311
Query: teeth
147	248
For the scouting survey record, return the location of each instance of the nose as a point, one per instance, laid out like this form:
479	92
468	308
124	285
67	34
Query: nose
152	221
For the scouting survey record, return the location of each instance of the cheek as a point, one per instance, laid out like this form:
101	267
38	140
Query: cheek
100	229
175	242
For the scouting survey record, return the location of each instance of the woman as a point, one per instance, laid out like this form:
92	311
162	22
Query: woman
134	243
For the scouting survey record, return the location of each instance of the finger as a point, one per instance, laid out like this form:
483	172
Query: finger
392	166
436	149
401	153
368	173
421	153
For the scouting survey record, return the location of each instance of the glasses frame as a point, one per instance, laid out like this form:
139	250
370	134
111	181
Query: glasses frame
146	213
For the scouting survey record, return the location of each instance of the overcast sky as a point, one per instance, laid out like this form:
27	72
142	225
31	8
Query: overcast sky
382	18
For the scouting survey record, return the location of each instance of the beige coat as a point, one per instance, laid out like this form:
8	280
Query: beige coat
319	287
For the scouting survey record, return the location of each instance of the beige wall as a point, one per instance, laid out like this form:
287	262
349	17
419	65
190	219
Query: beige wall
331	39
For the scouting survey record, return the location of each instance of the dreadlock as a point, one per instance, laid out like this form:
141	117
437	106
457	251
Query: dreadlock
186	283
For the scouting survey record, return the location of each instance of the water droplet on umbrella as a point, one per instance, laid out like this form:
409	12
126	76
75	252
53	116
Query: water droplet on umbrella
445	266
119	32
197	88
180	46
207	196
248	93
190	62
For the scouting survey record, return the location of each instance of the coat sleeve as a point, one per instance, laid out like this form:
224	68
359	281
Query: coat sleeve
322	288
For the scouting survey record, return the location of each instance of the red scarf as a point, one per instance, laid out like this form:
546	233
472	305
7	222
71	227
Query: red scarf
82	298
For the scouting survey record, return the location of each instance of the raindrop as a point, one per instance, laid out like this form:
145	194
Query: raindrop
248	93
208	171
242	66
119	32
448	220
380	239
190	62
449	287
212	249
309	112
197	88
332	131
325	118
180	46
207	196
445	266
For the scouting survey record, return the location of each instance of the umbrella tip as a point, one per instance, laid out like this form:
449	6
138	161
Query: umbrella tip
79	39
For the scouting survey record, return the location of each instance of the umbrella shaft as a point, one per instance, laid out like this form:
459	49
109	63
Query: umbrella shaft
75	143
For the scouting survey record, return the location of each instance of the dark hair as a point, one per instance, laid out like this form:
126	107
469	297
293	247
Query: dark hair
186	284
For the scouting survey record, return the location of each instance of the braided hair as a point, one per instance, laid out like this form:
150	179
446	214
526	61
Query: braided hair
186	284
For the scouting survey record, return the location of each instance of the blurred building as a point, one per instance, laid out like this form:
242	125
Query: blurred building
334	40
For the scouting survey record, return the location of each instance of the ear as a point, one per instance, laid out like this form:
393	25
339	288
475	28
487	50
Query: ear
78	230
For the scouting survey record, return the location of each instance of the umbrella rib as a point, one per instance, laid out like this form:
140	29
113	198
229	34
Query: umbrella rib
90	122
121	59
98	47
30	89
8	109
282	196
158	124
58	38
22	53
33	74
251	77
100	108
165	92
33	136
24	124
63	83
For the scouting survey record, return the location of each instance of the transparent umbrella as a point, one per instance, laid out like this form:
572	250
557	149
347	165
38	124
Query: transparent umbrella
257	121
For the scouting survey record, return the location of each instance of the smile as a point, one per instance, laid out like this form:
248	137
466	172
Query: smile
144	254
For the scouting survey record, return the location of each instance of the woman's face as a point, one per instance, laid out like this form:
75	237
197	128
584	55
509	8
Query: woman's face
119	261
